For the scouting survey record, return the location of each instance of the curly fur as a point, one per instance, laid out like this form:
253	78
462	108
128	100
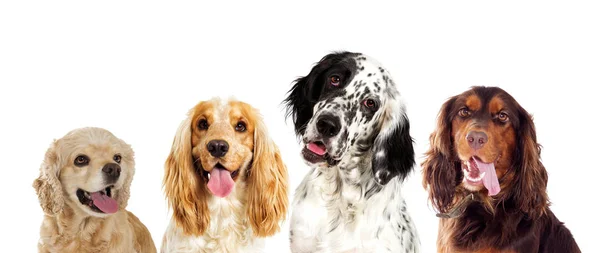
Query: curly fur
68	225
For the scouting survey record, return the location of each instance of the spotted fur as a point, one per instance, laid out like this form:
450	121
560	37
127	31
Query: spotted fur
352	201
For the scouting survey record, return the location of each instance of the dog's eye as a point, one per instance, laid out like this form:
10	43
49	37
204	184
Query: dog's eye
203	124
370	103
240	127
464	112
334	80
503	117
117	158
82	160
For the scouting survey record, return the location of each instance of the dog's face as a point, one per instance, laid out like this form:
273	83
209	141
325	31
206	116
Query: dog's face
483	127
219	146
94	170
485	142
222	142
348	106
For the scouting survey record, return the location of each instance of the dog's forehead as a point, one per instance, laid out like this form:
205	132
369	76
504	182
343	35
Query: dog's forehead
218	109
370	78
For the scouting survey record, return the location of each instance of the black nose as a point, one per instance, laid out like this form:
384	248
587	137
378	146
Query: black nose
217	148
477	139
112	171
328	125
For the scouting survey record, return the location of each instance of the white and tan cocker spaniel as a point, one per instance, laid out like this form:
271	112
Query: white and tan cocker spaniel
225	181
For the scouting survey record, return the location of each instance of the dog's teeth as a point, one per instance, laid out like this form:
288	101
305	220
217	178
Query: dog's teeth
208	176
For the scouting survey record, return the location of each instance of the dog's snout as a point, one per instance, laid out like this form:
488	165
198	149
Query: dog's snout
112	171
477	139
328	125
217	148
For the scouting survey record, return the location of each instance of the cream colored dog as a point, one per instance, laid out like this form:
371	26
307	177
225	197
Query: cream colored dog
83	189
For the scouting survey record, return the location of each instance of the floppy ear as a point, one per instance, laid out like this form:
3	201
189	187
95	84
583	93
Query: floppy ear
440	169
303	96
531	179
393	152
184	187
47	185
267	185
127	158
299	104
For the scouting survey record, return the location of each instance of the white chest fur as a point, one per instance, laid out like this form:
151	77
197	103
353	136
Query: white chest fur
229	230
342	210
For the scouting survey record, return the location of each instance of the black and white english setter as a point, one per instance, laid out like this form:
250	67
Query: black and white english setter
352	121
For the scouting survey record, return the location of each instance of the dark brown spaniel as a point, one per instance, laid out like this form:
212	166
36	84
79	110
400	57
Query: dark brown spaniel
485	178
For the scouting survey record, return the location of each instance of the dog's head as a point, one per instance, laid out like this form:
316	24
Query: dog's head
219	145
89	170
348	106
485	142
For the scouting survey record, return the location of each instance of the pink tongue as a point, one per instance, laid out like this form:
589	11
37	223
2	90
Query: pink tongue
220	182
105	203
316	148
490	179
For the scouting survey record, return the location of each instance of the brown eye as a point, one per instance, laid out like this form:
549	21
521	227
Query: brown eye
82	160
117	158
371	104
334	80
464	112
503	117
202	124
240	127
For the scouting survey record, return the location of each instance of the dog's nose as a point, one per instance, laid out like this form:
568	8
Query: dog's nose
112	171
217	148
328	125
477	139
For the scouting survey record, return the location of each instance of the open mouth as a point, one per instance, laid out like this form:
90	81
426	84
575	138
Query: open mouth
220	180
472	173
315	152
477	173
100	201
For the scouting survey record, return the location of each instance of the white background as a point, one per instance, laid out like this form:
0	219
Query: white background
135	68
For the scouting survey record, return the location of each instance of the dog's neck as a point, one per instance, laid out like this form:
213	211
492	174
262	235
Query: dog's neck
355	175
71	228
73	222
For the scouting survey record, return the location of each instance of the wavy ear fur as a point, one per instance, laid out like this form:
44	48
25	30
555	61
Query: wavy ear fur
47	185
393	152
185	190
267	184
128	157
529	191
440	168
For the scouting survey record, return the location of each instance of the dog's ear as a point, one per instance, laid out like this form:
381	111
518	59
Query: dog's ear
185	189
267	184
531	179
393	152
439	171
47	185
304	94
129	160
